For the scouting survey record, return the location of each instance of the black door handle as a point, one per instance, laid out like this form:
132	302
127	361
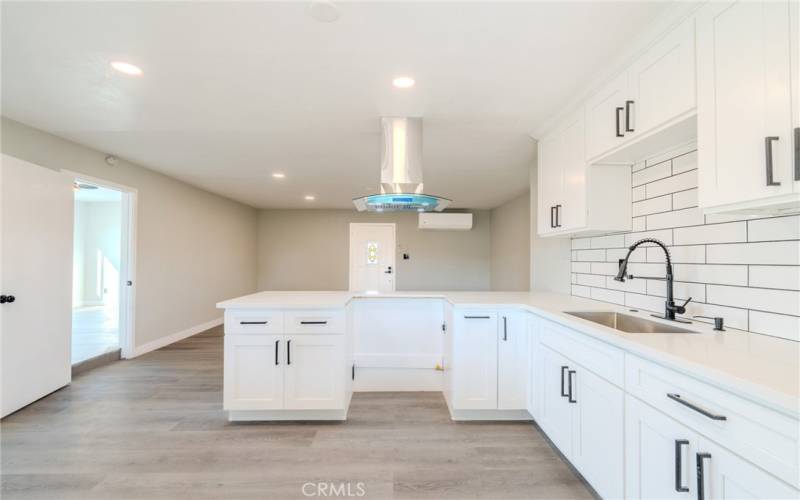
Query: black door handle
552	219
558	215
797	154
288	352
563	369
701	493
388	271
505	329
679	487
276	351
7	299
768	160
619	111
628	120
569	386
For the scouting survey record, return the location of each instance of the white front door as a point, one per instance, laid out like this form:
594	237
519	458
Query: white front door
36	269
372	251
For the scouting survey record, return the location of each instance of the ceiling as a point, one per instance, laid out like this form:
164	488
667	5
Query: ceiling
232	92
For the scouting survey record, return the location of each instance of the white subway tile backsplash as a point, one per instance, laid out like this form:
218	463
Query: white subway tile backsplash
740	267
690	254
591	255
777	325
705	273
761	299
778	228
784	277
773	252
684	199
680	182
650	174
714	233
676	218
653	205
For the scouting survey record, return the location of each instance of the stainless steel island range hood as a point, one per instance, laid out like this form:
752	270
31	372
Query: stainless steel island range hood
401	171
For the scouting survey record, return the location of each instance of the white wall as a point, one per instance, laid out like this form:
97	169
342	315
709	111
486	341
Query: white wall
194	248
744	269
511	245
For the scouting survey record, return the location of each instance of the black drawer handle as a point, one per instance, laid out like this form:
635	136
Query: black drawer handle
679	487
313	322
253	322
702	411
477	317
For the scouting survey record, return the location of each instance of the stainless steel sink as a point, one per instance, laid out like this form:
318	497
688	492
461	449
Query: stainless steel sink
626	322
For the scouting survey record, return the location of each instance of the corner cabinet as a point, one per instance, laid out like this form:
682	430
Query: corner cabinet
748	111
574	198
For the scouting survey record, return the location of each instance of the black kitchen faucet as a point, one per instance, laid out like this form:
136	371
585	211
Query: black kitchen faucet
670	308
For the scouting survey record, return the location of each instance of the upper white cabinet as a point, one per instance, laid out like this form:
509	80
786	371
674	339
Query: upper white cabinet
649	106
747	153
574	198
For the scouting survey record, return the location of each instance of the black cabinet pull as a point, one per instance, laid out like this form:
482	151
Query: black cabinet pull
768	153
7	299
558	215
477	317
552	218
797	154
276	351
679	487
701	493
702	411
288	352
252	322
569	386
313	322
505	329
628	120
563	369
619	111
353	374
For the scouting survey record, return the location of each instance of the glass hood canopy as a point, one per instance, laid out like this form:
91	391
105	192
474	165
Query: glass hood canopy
401	202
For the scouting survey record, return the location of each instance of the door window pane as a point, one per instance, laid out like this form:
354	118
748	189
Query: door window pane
372	252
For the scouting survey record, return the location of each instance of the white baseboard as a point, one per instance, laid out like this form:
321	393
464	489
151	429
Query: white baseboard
175	337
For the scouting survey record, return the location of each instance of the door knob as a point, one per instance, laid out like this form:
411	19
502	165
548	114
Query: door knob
388	270
7	298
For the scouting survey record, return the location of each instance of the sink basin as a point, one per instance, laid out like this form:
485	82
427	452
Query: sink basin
626	322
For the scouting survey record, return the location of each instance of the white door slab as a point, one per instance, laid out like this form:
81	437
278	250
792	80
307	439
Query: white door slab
36	210
372	256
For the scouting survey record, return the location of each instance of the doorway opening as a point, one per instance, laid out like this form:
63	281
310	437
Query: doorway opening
102	271
372	257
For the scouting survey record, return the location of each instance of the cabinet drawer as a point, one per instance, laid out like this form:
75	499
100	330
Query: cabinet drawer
767	438
602	359
315	321
253	321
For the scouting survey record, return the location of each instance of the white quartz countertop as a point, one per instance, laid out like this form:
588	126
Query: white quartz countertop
761	368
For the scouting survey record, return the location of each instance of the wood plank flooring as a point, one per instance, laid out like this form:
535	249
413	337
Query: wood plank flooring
153	428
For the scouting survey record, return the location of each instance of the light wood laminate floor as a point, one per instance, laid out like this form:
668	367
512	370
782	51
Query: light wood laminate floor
153	428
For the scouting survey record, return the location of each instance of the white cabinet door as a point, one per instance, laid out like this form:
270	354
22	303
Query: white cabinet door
571	208
743	98
549	178
725	476
661	83
315	372
512	364
253	372
534	367
475	377
555	414
605	124
659	455
598	431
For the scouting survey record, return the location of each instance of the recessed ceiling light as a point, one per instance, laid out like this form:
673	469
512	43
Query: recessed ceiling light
127	68
309	197
279	175
403	82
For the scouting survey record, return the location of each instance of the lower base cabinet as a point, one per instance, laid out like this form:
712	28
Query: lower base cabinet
284	372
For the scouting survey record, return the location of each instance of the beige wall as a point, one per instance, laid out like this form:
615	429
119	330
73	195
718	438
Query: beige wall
194	248
308	250
511	243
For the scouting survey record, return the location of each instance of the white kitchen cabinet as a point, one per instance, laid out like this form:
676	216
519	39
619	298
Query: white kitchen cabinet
253	378
660	455
574	198
555	414
598	414
746	122
475	364
315	373
605	116
534	366
512	364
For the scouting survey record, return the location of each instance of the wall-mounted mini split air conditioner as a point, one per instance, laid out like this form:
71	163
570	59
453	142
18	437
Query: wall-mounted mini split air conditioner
445	221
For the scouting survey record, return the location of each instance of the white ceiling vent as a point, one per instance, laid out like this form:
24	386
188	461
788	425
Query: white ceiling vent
445	222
